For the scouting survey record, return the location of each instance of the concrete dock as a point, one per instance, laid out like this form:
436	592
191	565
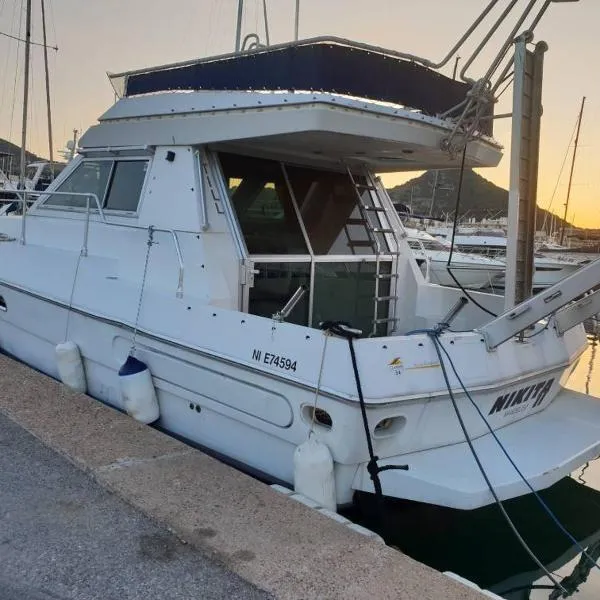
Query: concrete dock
95	505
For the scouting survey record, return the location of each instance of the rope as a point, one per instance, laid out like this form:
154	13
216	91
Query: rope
139	307
327	335
72	295
433	335
541	501
19	39
454	226
345	331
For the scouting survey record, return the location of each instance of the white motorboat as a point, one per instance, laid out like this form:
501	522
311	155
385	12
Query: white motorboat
209	233
549	269
472	271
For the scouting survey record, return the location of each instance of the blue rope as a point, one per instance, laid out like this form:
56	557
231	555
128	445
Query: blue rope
434	335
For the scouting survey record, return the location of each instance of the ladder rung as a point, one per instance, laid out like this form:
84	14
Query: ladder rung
356	222
384	298
373	208
387	275
386	320
382	230
365	186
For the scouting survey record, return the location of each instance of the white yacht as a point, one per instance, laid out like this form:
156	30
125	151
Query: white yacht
549	269
214	219
470	270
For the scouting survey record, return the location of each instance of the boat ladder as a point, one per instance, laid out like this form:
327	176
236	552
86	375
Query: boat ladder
374	220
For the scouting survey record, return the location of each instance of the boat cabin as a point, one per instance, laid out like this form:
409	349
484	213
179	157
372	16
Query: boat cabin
262	166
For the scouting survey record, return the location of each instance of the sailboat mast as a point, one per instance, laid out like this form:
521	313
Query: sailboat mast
48	106
562	231
25	103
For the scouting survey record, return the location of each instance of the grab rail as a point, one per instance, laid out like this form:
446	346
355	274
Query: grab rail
84	247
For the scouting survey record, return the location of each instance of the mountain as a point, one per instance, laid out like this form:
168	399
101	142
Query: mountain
480	198
7	147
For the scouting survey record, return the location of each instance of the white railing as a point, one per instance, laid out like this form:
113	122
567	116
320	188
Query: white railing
84	247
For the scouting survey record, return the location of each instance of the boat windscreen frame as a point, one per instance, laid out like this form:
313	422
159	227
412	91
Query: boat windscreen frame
249	260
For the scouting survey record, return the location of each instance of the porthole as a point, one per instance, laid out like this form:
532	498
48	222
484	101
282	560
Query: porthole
318	415
3	304
389	426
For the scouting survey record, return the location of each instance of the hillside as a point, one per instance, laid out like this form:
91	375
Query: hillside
9	148
480	198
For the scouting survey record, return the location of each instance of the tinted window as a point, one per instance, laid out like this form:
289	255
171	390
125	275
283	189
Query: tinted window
328	204
263	205
126	185
90	177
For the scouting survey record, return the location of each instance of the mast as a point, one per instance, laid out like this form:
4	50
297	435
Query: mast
562	231
48	105
25	103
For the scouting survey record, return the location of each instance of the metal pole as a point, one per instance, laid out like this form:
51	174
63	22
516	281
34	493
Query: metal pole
24	130
455	67
75	133
25	99
562	231
514	195
238	31
297	21
48	105
266	17
435	183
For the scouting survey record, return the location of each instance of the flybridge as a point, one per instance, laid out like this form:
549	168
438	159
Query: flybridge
318	64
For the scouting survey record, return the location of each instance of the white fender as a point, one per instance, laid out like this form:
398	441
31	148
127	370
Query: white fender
70	366
137	390
313	473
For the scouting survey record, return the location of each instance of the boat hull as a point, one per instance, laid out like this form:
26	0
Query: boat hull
257	420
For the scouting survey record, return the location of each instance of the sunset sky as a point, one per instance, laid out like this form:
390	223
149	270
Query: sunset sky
96	36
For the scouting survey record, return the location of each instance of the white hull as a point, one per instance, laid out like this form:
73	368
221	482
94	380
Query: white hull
257	420
469	276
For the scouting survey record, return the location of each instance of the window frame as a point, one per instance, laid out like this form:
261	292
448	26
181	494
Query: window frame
46	196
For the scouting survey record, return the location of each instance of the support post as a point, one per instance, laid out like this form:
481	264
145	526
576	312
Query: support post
525	147
238	30
297	21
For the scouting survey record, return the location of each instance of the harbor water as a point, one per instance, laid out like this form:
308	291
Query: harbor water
479	545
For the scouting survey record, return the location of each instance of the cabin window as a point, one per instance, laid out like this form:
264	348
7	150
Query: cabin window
126	185
263	205
116	183
355	282
328	203
274	285
90	177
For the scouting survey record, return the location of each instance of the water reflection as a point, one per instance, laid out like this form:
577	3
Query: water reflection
478	544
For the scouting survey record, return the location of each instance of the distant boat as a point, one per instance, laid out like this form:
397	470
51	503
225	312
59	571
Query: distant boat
472	271
492	243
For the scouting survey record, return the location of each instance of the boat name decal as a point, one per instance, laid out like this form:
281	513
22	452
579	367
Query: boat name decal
537	392
275	360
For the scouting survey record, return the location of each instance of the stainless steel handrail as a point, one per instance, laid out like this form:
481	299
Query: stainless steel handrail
84	247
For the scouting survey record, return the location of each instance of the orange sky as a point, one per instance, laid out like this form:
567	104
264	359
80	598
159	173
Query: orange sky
114	35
